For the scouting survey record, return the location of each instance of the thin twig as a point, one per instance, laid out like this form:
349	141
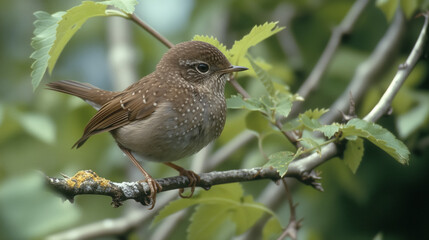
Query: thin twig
293	226
151	31
238	88
316	74
381	58
300	166
401	75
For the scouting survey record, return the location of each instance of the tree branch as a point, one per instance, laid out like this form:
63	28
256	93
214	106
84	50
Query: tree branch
370	70
294	225
88	182
401	75
316	74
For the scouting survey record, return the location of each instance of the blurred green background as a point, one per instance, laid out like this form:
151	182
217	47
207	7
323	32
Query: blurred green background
37	129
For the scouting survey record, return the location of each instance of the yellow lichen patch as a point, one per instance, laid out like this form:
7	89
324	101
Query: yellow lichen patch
87	175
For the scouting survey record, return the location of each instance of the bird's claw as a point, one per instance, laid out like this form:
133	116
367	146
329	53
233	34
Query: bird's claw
193	180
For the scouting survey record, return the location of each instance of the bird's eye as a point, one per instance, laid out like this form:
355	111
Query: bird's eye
202	68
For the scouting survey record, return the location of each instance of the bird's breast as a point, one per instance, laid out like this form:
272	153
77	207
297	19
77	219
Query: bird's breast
175	130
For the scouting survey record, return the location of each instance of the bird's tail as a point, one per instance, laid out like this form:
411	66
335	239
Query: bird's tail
96	97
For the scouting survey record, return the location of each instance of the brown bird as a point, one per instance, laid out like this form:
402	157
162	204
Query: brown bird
167	115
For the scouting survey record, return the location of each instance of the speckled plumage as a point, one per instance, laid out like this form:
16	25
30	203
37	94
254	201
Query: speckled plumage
167	115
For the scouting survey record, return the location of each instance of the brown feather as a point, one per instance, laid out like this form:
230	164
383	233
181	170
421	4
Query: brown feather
124	108
85	91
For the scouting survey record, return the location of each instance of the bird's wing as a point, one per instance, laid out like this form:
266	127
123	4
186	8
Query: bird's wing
128	106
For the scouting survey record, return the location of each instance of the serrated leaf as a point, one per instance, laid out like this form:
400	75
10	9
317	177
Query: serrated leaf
228	199
263	77
309	123
207	220
283	106
379	136
255	36
280	161
328	130
72	21
127	6
247	214
54	31
237	102
353	154
213	41
293	124
44	38
272	229
222	203
315	113
38	126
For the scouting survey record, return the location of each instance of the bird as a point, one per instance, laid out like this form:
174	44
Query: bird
167	115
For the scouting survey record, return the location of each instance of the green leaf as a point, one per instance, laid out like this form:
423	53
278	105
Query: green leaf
44	38
280	161
258	123
71	21
173	207
353	154
272	229
246	215
207	221
127	6
309	123
237	102
409	7
53	32
263	77
291	125
222	203
38	126
213	41
256	35
315	113
379	136
283	104
388	7
329	130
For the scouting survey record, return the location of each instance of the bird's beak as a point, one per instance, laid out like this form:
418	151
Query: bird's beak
234	69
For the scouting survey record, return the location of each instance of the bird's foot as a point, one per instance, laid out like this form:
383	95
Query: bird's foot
154	189
193	180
